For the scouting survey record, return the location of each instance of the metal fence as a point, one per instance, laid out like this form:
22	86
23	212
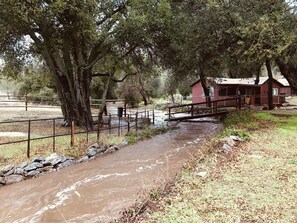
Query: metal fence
41	129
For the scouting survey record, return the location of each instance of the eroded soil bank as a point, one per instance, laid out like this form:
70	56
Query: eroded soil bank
98	190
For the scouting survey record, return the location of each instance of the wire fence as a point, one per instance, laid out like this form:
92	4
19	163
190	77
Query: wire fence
26	102
17	137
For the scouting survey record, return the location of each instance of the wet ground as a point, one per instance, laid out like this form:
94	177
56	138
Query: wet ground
97	191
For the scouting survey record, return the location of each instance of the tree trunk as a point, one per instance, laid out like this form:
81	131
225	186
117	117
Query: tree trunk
142	91
102	107
258	75
205	89
172	98
270	83
289	71
73	90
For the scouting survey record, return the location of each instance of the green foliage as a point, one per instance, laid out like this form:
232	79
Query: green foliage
146	132
244	118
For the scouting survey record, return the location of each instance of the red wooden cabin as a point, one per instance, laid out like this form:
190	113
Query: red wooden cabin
256	94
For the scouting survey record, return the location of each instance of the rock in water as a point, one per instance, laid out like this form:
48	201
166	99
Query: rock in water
91	152
13	179
32	173
2	181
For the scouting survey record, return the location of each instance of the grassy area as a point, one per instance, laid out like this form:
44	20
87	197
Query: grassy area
256	182
17	153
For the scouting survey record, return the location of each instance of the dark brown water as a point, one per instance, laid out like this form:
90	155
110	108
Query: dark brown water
98	190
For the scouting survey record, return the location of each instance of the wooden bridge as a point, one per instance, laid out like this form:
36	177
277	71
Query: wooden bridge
202	109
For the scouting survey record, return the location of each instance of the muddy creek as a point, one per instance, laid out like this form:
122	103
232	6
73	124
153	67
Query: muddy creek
98	190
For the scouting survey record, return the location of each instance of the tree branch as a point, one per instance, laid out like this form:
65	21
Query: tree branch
116	80
100	22
100	74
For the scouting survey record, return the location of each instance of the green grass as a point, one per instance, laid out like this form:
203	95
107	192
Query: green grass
146	133
258	183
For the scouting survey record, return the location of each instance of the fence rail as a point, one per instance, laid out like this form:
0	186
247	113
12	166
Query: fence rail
51	128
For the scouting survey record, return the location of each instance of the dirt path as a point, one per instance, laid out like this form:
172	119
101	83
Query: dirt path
98	190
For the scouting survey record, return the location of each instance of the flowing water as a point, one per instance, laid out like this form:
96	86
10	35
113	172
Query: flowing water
97	191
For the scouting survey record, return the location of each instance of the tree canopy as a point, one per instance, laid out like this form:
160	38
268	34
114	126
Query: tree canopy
81	39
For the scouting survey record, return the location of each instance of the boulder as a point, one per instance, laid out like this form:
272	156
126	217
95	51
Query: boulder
13	179
236	138
231	142
110	150
46	163
227	147
83	159
38	160
1	173
33	166
51	157
202	174
32	173
9	172
45	169
23	165
67	163
91	152
2	181
19	171
58	160
7	169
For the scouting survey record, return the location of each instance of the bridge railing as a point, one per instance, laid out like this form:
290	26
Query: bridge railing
202	108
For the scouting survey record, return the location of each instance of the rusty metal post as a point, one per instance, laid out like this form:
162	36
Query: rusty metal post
125	107
72	132
98	132
128	123
109	124
119	127
54	135
136	121
26	102
29	138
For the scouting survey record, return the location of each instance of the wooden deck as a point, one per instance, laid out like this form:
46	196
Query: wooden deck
201	110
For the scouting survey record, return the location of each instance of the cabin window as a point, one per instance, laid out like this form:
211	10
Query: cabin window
223	92
275	91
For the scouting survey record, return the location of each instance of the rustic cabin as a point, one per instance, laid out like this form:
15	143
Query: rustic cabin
286	90
255	94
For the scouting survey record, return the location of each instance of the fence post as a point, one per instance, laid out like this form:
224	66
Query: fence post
72	132
98	132
29	138
136	120
153	117
119	126
109	124
54	135
26	102
125	107
128	123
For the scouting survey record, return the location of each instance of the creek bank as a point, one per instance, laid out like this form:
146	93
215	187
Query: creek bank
11	174
141	210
